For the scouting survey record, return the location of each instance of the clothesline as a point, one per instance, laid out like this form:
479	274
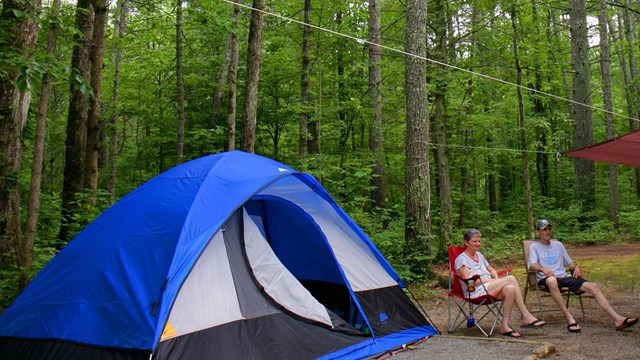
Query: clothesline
364	41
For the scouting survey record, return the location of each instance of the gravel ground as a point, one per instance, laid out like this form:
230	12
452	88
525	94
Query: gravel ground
467	348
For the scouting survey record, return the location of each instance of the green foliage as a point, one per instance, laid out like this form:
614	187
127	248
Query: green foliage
89	206
10	285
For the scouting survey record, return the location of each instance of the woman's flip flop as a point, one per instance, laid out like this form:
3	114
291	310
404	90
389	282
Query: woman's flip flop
574	328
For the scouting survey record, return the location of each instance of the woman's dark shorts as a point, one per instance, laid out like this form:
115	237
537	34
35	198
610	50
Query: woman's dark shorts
574	284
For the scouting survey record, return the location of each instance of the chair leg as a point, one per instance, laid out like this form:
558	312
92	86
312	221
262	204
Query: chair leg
581	306
495	311
540	309
461	315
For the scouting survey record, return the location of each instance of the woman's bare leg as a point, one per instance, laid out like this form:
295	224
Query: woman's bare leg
508	297
497	288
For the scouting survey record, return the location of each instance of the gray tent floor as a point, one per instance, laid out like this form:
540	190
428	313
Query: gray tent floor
446	347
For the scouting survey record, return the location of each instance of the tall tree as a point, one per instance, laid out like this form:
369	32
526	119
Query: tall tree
75	142
305	80
19	29
233	87
468	109
417	188
33	203
250	108
624	68
634	74
605	71
581	110
96	57
120	26
179	84
344	120
445	228
223	78
540	51
522	138
378	193
313	126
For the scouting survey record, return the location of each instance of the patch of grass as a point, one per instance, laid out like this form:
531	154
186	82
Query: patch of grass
619	271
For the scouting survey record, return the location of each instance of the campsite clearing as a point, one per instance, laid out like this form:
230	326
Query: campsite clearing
615	267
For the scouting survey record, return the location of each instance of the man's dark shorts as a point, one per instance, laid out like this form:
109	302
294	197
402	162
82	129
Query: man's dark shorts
569	282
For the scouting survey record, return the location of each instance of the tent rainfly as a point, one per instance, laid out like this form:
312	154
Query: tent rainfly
229	256
623	150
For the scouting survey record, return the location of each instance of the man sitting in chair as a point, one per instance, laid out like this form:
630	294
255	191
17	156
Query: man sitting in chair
549	259
472	262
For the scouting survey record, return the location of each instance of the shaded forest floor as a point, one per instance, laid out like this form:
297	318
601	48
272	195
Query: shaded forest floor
615	267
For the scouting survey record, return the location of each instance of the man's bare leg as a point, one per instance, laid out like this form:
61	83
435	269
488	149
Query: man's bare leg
594	289
554	289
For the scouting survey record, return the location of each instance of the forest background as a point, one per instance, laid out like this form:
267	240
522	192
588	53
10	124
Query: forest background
421	118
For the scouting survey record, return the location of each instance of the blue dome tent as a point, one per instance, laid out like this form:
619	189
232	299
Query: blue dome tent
231	255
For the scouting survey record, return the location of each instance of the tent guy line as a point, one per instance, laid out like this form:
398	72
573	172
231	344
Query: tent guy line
364	41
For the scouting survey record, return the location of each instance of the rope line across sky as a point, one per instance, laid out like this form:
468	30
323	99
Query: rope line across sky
364	41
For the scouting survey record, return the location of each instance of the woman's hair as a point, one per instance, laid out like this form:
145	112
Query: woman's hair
471	233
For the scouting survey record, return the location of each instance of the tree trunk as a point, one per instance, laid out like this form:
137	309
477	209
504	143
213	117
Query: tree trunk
378	193
542	158
417	188
18	40
96	57
521	126
582	115
250	108
179	85
466	133
464	186
492	183
33	203
233	87
343	120
223	79
305	101
76	118
113	126
313	126
605	70
439	118
629	22
626	76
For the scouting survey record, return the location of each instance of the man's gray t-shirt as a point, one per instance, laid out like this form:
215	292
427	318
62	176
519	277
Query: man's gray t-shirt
553	256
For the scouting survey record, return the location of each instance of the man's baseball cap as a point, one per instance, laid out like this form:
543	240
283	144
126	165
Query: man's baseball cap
543	224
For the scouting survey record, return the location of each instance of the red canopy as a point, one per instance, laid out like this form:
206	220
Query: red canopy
621	150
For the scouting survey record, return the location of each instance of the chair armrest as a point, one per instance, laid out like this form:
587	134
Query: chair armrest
474	278
504	272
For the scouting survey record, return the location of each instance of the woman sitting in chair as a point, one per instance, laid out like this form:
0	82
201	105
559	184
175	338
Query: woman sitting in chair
471	262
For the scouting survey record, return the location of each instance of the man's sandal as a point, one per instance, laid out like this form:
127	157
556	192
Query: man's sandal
627	323
536	324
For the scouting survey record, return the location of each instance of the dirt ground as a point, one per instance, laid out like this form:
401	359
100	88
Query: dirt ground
598	339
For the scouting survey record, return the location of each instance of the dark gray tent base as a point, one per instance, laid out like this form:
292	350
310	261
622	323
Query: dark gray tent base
37	349
390	310
277	336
